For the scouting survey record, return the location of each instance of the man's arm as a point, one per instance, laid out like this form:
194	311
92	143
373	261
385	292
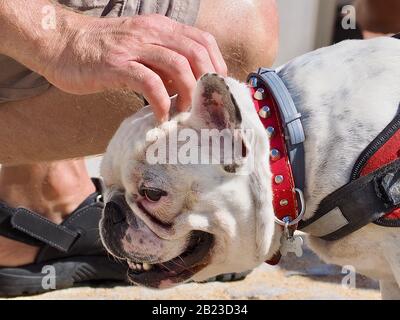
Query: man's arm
34	30
151	55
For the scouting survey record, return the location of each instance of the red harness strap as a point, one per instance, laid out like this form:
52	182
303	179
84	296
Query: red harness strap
283	187
387	153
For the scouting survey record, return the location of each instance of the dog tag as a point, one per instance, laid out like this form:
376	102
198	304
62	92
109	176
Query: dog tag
292	244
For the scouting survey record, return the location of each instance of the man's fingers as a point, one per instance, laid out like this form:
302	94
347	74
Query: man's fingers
199	47
197	55
174	69
148	83
208	41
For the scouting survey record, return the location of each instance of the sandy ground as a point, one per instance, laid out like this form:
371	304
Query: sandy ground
305	278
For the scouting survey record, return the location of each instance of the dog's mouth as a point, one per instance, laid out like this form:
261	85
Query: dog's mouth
191	260
177	270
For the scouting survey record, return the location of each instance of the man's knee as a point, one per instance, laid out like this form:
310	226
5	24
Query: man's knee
246	31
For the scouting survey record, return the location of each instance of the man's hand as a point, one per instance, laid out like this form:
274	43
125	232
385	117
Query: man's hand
152	55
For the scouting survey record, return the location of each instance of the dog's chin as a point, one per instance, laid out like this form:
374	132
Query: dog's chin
180	269
194	258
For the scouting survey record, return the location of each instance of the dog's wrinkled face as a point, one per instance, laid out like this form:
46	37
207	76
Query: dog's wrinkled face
176	220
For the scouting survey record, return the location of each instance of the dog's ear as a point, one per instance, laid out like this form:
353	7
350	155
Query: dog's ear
215	108
214	105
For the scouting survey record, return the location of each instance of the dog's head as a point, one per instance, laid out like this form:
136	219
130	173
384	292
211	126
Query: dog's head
182	202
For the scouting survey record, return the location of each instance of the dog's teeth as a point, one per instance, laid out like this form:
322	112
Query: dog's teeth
139	266
147	266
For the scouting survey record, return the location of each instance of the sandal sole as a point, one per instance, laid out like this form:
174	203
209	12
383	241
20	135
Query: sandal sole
59	274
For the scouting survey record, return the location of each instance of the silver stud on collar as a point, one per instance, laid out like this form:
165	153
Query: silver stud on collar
270	131
283	202
265	112
275	155
259	94
253	82
278	179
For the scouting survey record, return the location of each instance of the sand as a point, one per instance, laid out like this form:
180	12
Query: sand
298	279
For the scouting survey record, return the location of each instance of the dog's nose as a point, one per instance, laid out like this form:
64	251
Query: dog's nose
116	209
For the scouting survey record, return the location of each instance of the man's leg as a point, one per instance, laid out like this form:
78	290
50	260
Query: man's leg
246	32
52	189
56	125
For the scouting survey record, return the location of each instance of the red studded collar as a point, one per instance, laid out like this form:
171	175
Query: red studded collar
281	121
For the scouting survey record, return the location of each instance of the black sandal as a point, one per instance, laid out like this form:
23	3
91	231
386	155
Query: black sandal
70	253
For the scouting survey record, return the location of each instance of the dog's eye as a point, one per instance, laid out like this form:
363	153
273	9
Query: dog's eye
152	194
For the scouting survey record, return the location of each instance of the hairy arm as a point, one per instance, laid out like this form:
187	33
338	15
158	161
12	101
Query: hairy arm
151	55
33	32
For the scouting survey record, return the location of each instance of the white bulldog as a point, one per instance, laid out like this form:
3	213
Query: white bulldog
174	222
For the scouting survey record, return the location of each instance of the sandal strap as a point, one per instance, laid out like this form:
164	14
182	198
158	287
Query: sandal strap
26	226
8	231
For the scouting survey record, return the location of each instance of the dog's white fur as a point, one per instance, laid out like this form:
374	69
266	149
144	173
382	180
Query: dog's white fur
347	94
